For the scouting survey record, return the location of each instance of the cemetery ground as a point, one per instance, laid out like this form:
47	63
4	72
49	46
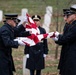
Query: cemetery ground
50	62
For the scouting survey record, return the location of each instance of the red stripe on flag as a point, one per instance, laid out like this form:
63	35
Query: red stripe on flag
44	36
34	38
26	43
52	35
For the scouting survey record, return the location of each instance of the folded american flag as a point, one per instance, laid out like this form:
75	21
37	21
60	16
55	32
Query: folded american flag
35	36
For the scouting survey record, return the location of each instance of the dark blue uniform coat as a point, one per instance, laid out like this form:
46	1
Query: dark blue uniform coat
36	59
7	34
67	63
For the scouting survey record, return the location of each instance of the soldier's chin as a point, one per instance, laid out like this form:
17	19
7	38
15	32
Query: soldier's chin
14	25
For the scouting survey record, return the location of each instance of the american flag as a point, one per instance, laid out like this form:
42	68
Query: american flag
35	36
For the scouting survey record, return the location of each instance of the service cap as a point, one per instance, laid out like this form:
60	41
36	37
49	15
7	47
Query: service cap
73	8
11	16
36	17
68	12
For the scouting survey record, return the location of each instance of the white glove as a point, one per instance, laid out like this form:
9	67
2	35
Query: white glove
44	55
27	55
56	34
50	34
16	39
19	42
55	38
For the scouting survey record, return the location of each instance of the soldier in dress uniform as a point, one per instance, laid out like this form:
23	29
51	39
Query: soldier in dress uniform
7	35
67	62
36	54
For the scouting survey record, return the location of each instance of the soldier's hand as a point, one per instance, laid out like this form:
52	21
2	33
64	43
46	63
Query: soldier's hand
20	42
27	55
44	55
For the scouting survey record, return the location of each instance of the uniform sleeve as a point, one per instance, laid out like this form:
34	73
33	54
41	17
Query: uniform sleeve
26	50
21	32
45	44
24	33
70	37
7	41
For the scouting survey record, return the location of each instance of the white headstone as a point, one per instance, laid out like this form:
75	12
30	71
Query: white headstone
25	70
1	15
23	17
24	11
47	18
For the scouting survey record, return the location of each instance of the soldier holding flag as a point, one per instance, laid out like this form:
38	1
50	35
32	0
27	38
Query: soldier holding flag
7	35
67	62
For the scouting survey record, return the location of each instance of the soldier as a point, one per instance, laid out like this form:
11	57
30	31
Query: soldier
36	54
67	62
7	35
